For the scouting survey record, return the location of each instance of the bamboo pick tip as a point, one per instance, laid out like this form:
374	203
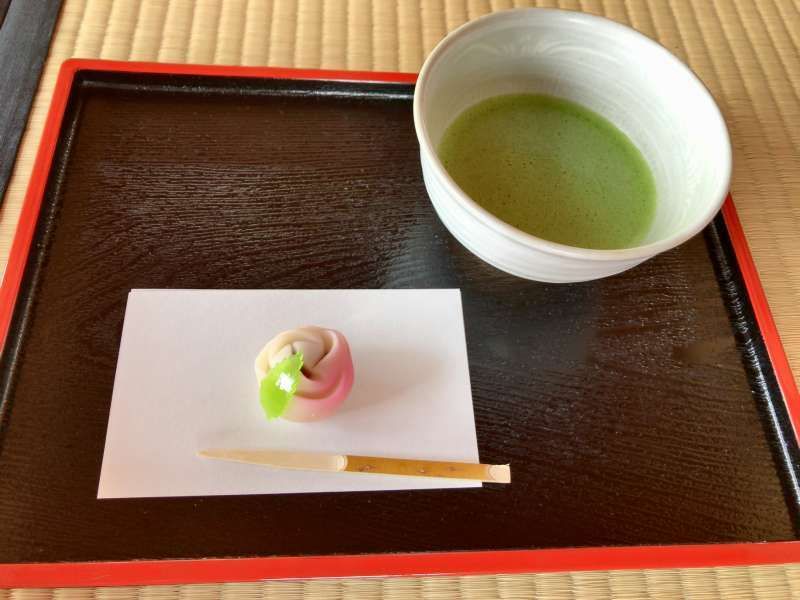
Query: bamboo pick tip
216	453
500	473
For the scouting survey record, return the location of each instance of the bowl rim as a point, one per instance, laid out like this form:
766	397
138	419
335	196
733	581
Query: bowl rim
499	226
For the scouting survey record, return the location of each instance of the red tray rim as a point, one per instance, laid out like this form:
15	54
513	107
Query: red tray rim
171	571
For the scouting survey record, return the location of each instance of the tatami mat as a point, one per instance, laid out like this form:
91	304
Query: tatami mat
745	50
760	583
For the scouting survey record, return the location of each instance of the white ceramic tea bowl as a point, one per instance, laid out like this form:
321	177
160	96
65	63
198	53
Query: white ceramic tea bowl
648	93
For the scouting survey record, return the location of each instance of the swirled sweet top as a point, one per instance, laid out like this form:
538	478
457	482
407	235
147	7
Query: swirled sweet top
305	374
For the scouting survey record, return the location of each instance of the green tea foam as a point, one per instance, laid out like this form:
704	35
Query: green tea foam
552	168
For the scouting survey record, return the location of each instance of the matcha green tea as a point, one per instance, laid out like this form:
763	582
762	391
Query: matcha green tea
552	168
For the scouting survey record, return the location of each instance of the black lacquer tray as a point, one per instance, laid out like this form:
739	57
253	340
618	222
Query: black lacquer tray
646	409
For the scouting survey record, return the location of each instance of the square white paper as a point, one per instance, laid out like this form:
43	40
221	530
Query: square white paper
185	382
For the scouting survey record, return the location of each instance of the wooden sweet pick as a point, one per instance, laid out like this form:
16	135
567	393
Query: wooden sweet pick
377	465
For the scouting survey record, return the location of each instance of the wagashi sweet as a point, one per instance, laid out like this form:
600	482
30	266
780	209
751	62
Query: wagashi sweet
304	374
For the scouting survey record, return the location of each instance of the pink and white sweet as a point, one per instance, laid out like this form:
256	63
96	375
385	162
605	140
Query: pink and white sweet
326	376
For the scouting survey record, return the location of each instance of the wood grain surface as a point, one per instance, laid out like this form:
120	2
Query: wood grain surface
623	405
25	30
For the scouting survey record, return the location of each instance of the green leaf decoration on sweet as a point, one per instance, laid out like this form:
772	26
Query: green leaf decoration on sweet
279	386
